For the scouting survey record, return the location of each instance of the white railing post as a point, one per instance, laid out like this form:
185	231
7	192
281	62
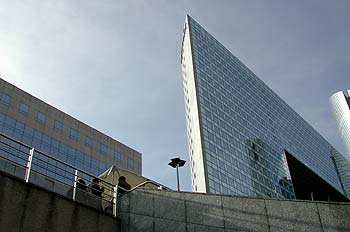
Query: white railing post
75	183
115	195
29	165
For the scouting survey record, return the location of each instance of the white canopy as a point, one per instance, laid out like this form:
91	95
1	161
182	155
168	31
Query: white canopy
112	174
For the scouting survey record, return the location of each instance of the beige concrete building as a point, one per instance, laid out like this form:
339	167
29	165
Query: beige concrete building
44	127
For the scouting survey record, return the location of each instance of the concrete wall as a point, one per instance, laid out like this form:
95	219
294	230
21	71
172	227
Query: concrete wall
24	207
149	210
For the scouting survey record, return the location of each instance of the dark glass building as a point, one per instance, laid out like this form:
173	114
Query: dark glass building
49	130
243	138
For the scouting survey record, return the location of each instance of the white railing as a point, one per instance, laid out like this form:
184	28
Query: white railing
53	174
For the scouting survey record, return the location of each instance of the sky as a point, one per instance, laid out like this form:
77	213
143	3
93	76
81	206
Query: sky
115	65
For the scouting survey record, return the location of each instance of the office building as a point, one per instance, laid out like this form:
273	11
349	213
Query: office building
49	130
243	138
340	105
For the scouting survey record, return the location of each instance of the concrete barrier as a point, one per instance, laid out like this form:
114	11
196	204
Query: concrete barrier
150	210
25	207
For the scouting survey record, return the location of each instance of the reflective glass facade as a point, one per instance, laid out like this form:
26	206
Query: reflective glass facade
340	105
37	124
239	130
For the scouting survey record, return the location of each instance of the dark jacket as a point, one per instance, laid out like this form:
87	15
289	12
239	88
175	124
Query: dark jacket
97	189
124	185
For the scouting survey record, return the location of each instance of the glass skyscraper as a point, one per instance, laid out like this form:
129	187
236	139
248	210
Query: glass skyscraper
340	105
49	130
243	138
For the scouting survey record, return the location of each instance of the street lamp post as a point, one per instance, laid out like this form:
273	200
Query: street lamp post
176	163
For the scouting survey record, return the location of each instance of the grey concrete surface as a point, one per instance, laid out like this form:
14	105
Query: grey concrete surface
166	225
293	216
334	217
140	223
24	207
244	214
176	204
203	228
151	210
204	209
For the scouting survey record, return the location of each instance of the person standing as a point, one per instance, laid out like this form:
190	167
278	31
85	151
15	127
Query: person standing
82	185
124	186
96	188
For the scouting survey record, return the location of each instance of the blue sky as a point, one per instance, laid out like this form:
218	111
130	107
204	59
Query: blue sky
115	65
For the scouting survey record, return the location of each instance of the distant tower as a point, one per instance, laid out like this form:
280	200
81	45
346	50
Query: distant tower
340	104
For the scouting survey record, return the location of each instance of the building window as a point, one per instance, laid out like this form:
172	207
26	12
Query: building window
41	117
2	118
131	163
23	108
117	156
88	141
103	149
73	134
5	99
58	126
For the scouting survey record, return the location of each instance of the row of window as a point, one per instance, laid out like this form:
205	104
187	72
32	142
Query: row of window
58	127
55	148
5	99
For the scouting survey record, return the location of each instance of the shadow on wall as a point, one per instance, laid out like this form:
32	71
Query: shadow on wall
148	210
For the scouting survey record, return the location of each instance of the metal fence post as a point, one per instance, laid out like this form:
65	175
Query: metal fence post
29	165
75	183
115	195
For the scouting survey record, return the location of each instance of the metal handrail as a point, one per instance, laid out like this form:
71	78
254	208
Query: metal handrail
19	157
14	140
51	157
144	183
33	155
